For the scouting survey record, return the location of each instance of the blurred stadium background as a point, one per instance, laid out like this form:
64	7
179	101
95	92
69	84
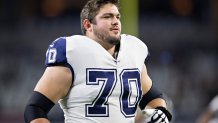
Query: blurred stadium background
182	37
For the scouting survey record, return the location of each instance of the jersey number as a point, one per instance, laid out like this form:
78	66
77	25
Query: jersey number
130	81
52	53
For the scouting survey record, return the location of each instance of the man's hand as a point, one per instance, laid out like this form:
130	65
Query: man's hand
157	115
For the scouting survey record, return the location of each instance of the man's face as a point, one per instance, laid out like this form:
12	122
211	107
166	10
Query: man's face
107	26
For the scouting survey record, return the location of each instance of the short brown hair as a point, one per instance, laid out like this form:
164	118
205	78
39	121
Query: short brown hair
91	9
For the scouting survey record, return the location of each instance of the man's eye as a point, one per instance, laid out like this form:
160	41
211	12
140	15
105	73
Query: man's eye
106	16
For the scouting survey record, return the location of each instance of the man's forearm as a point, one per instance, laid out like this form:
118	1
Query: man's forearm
40	120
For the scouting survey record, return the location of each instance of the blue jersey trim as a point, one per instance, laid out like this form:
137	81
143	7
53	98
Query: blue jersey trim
56	53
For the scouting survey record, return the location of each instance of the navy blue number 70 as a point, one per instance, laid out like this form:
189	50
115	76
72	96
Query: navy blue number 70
129	81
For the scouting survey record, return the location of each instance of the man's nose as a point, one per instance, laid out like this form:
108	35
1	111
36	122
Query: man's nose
115	21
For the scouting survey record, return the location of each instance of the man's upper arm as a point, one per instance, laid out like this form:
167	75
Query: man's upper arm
55	82
146	81
155	97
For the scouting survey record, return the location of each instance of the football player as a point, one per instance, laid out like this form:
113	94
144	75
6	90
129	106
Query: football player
98	77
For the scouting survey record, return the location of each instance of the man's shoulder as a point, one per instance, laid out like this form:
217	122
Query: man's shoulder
75	37
132	40
62	41
129	36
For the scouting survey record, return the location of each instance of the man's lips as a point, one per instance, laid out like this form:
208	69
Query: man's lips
115	28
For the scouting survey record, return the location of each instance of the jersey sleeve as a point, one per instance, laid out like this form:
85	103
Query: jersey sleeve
56	53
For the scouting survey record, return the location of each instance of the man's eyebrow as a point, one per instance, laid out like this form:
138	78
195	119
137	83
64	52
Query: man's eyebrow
118	14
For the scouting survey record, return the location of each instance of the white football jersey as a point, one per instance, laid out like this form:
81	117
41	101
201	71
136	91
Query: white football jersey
104	89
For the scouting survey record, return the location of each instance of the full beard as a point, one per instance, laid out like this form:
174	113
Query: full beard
104	36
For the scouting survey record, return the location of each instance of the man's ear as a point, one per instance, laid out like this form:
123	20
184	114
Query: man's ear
87	25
